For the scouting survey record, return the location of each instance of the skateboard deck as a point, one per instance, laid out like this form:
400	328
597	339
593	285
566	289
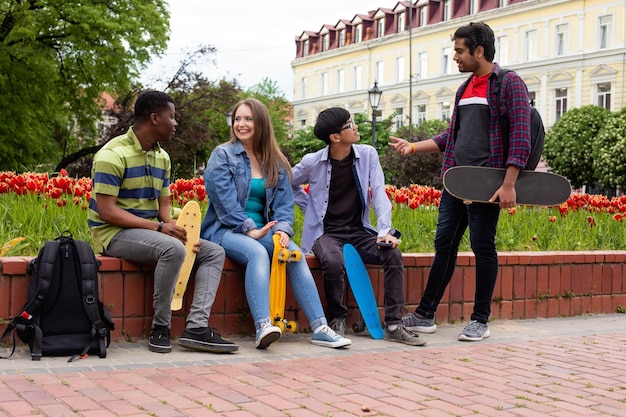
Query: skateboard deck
278	284
363	292
477	184
189	219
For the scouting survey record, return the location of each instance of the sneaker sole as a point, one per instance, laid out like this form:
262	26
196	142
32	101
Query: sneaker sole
466	338
207	347
159	349
267	340
415	342
422	329
331	344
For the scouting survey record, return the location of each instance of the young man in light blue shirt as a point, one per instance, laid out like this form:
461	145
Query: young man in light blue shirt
345	179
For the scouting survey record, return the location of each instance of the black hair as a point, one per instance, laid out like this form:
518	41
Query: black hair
151	101
330	121
478	34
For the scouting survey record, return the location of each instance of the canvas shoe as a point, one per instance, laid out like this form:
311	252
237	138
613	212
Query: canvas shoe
159	341
328	338
417	324
338	324
402	335
267	335
474	332
206	339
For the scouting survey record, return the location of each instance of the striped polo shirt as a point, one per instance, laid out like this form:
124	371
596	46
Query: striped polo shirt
136	177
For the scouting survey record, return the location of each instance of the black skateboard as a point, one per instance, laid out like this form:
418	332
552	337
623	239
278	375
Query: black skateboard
477	184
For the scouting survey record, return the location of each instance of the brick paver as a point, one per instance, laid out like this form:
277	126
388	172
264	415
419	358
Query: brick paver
552	367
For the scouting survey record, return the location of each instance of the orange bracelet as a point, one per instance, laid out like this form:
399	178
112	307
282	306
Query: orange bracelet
412	147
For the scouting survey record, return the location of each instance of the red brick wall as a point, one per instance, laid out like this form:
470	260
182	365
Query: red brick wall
530	285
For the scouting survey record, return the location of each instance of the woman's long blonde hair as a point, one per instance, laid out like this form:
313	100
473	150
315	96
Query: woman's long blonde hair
264	144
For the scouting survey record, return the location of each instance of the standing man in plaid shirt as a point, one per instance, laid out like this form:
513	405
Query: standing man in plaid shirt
473	138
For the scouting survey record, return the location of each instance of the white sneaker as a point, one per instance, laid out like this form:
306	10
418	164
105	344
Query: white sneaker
267	335
328	338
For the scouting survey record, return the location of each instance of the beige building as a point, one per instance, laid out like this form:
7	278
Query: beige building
570	53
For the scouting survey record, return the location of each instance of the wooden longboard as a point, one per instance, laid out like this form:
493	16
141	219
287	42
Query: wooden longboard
189	219
278	284
362	289
477	184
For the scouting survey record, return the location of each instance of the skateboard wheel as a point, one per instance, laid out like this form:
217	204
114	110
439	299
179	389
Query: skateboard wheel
292	326
280	325
358	327
295	256
283	255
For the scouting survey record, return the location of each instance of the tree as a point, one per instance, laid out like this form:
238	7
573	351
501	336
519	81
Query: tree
569	144
421	168
609	158
268	92
56	58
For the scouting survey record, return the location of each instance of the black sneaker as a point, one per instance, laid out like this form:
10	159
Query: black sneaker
160	339
207	340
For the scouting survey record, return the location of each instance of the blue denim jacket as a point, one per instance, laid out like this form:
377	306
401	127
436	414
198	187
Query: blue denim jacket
315	170
228	179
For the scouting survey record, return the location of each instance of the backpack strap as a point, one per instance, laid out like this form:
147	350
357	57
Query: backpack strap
89	274
44	269
504	122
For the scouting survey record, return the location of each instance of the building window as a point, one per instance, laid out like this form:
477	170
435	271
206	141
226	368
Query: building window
357	77
605	34
420	113
380	72
473	7
325	43
341	85
532	95
401	24
398	119
447	10
444	109
446	60
302	123
562	32
342	38
303	87
531	45
400	69
305	48
357	33
422	65
324	84
423	19
502	3
503	50
380	28
604	95
560	95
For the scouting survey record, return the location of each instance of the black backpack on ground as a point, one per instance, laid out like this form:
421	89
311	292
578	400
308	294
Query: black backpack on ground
63	314
537	130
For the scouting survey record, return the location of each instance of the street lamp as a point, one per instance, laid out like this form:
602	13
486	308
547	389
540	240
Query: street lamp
374	95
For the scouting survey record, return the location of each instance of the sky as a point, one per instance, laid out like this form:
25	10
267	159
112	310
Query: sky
254	39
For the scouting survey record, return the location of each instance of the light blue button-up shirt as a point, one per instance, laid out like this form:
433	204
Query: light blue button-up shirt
315	169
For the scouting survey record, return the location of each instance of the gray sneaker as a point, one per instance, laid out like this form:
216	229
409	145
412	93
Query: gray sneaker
338	324
402	335
415	323
474	332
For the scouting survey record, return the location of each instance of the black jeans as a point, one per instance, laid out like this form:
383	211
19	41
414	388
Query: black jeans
454	218
329	250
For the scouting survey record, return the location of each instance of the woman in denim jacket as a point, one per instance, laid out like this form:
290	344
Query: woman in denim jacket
248	181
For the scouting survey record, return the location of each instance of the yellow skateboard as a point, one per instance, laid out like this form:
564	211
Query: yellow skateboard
278	284
189	219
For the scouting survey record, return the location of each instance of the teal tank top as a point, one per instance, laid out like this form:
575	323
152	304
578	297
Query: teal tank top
256	202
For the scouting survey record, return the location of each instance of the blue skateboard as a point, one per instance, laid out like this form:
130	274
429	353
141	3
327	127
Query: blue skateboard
363	292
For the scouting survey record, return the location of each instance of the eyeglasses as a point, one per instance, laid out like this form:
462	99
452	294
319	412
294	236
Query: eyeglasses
350	125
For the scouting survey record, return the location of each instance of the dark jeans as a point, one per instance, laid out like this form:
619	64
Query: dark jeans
329	250
454	217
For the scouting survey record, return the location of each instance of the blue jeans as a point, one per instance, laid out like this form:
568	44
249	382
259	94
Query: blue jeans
454	218
256	256
149	246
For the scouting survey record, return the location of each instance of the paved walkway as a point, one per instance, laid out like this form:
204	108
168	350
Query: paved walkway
547	367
